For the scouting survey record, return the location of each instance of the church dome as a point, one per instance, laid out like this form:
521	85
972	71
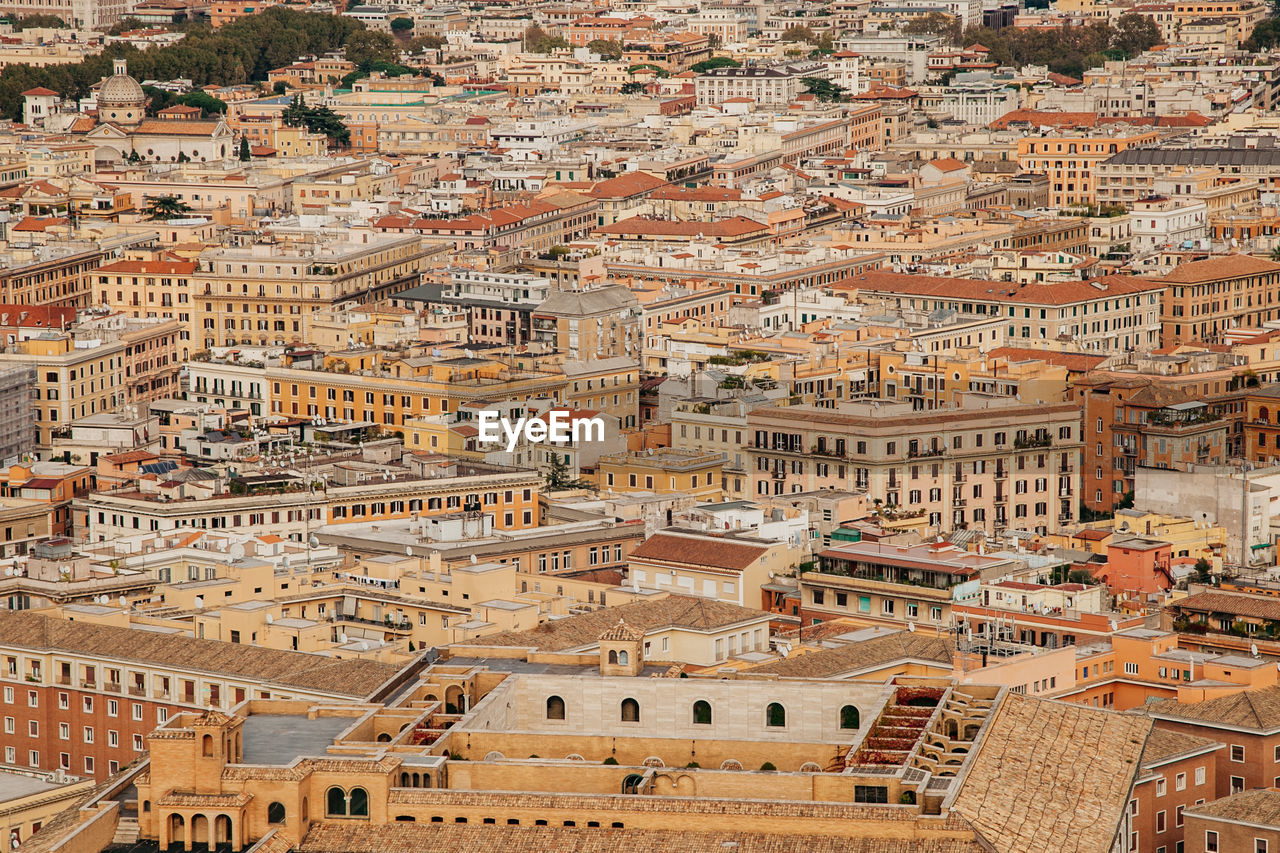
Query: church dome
120	89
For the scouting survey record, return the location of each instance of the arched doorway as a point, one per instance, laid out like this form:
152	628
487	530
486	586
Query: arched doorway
199	831
222	830
453	700
177	830
631	784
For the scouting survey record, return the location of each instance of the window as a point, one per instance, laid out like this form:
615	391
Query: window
1210	841
1160	821
275	813
353	803
1180	782
630	711
702	713
555	708
1237	753
1177	815
1161	785
1260	845
1237	784
849	717
870	794
1199	775
775	716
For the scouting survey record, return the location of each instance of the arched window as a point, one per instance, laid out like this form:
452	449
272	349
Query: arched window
630	711
359	802
613	656
623	658
275	813
775	715
336	803
207	746
848	717
555	708
702	713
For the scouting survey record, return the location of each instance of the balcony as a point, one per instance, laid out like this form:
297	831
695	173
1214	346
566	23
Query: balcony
160	693
64	680
1002	473
112	687
1032	442
137	690
925	454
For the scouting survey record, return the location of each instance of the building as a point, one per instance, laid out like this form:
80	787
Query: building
725	566
1110	314
263	292
1248	820
765	86
82	697
991	464
1070	162
1192	307
96	15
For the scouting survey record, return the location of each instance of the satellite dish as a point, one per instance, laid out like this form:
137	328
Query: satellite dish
473	559
911	626
124	602
408	551
269	619
236	551
313	542
1253	649
342	638
284	561
199	602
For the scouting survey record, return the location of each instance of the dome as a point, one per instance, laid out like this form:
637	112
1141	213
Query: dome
120	89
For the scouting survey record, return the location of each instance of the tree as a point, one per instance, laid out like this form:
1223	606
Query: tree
1204	571
558	479
367	45
824	90
125	25
318	119
165	207
38	21
610	49
427	41
714	41
635	87
207	103
714	62
538	40
799	32
401	26
935	23
1135	33
1265	35
245	156
280	87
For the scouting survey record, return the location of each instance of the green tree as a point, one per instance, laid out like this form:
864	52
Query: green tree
538	40
558	479
610	49
367	45
280	87
38	21
426	41
207	103
124	25
165	207
633	88
799	32
1265	35
935	23
1134	33
1204	570
824	90
245	155
318	119
401	26
714	62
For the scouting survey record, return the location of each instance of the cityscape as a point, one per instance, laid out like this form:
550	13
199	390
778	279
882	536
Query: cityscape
714	426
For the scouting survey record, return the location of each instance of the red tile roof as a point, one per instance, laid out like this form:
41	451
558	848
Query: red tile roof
1218	268
736	226
1056	293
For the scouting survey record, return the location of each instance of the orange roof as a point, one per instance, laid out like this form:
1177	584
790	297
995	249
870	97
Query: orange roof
1217	268
947	164
736	226
39	91
40	223
150	267
625	186
1056	293
1076	362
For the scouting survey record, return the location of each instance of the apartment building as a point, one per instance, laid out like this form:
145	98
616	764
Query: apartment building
895	585
1132	173
600	322
1070	162
992	464
263	292
1133	419
1203	299
97	367
434	488
82	697
725	566
147	289
1109	314
764	86
50	275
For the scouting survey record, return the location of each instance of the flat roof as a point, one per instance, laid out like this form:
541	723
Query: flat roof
280	738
